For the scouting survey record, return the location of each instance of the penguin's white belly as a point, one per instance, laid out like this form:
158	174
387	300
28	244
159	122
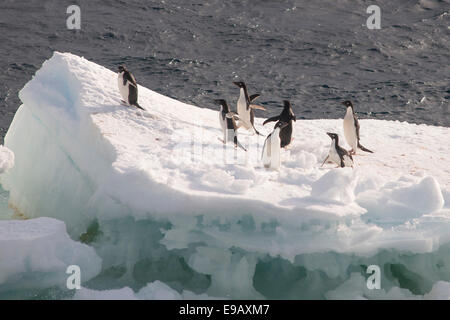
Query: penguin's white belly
222	121
228	134
123	89
350	131
271	151
244	114
334	156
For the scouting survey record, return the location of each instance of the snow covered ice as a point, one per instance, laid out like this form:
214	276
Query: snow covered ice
159	199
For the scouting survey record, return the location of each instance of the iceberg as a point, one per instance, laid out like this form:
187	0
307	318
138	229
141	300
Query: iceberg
160	198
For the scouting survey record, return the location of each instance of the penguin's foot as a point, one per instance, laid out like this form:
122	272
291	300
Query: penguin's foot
123	102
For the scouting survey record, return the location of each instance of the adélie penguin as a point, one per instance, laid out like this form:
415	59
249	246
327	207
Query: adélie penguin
287	116
271	157
228	123
245	108
337	154
128	87
351	129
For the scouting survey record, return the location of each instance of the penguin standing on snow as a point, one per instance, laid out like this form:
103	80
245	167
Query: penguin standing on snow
287	116
128	87
271	149
245	108
351	129
228	123
337	154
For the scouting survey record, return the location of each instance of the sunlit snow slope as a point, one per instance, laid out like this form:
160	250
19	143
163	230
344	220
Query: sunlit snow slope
142	185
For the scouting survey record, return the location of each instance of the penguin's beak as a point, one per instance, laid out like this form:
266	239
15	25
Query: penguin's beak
330	135
343	103
236	83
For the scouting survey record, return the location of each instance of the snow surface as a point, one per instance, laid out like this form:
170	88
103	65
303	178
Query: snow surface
82	157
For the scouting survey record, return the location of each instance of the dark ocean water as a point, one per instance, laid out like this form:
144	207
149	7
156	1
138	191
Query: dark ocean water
315	53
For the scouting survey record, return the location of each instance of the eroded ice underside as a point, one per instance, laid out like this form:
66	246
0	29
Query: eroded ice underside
158	196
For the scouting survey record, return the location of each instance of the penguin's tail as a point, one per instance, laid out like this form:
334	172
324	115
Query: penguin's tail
137	105
360	146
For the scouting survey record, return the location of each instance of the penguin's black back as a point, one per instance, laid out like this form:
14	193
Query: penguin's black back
132	95
286	134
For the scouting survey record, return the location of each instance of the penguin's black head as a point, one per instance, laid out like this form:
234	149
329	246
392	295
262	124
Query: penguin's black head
240	84
286	104
223	103
333	136
122	69
288	108
347	104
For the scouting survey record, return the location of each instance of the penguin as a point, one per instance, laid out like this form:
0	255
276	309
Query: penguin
337	154
351	129
245	108
271	149
287	115
127	87
228	123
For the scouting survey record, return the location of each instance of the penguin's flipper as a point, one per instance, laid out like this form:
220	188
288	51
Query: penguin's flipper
127	76
271	119
357	126
255	106
254	97
363	148
325	160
